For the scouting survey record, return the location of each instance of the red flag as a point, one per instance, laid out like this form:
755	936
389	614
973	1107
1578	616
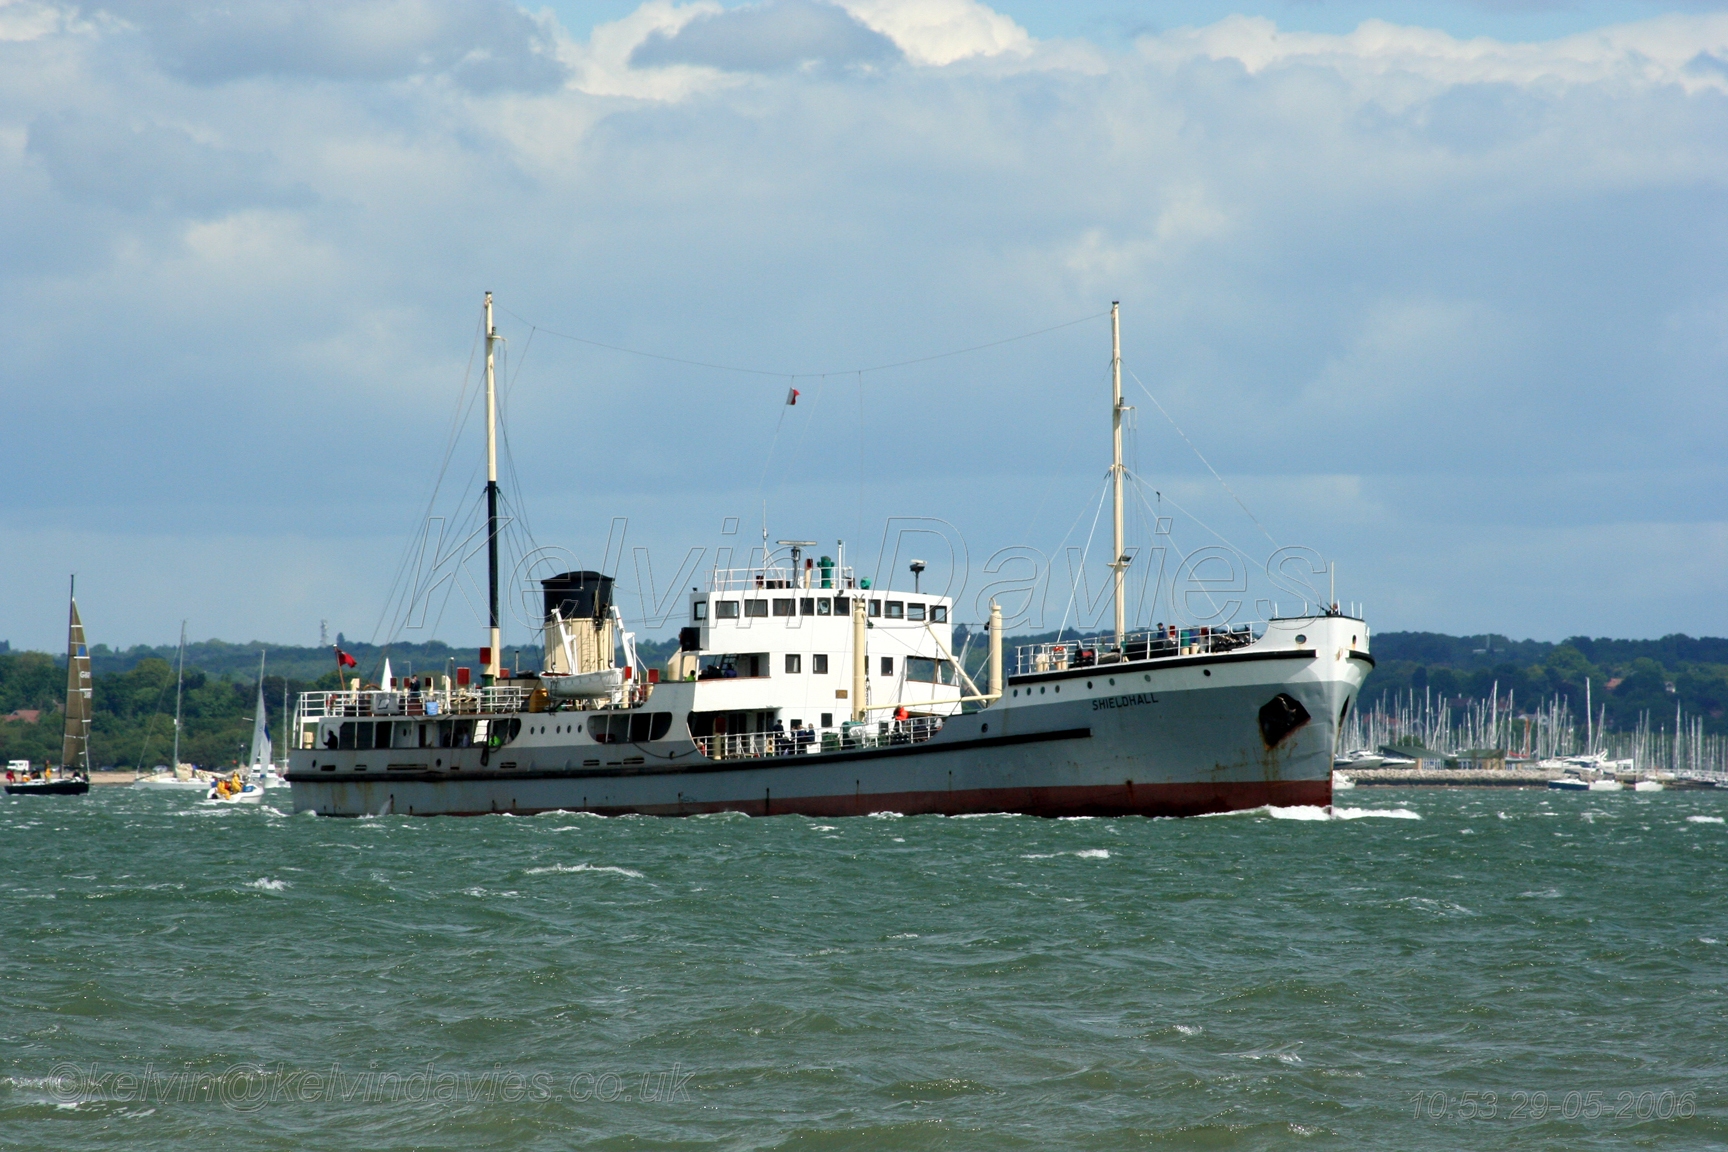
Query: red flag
792	396
345	660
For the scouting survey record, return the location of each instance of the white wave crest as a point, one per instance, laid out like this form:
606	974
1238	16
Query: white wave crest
1296	812
268	884
554	868
1084	854
1704	820
1314	812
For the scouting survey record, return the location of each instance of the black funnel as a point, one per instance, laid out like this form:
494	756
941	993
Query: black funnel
578	595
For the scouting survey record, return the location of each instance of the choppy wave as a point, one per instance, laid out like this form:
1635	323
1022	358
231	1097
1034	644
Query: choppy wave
1318	813
1704	820
1084	854
268	884
560	868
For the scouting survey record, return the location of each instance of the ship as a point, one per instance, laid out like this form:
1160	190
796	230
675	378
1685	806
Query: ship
798	688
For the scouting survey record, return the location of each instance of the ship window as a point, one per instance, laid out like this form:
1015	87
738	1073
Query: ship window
640	724
794	662
345	735
755	607
725	609
896	610
824	607
887	665
807	606
914	611
783	607
662	725
827	719
875	607
700	610
946	668
819	664
939	613
921	669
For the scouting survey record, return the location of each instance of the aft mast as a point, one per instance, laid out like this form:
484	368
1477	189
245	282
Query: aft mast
1118	559
75	740
493	653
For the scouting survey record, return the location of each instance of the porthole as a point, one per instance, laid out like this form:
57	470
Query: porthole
1112	681
1040	691
1207	671
1301	639
1148	677
1088	683
983	727
1058	687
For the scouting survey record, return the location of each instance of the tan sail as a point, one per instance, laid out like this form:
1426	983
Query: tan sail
75	742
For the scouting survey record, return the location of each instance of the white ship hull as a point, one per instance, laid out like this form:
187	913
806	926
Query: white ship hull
1180	735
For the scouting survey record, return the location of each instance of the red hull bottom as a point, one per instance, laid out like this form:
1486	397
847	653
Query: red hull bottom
1101	800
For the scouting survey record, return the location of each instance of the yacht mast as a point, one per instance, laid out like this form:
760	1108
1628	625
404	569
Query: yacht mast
1118	560
179	683
494	656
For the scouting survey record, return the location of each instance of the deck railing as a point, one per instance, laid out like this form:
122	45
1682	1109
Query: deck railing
1064	654
850	737
456	702
782	576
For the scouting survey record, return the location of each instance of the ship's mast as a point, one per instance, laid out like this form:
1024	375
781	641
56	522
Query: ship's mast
1118	560
492	664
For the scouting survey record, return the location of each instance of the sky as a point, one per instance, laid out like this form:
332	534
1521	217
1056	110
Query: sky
1434	293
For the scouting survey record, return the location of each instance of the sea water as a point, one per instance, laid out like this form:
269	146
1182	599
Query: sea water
1412	969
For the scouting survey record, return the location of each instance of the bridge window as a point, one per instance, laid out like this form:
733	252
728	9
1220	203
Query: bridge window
914	611
819	664
794	662
824	607
725	609
887	665
755	607
939	613
783	607
700	610
896	610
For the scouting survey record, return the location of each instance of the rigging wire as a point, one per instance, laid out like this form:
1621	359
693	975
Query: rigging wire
1203	460
796	375
460	417
1103	490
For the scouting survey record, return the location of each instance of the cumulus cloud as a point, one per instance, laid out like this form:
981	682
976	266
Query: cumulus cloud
767	37
1399	285
942	31
480	44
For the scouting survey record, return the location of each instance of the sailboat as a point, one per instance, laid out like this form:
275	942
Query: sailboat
246	784
261	764
73	778
180	775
